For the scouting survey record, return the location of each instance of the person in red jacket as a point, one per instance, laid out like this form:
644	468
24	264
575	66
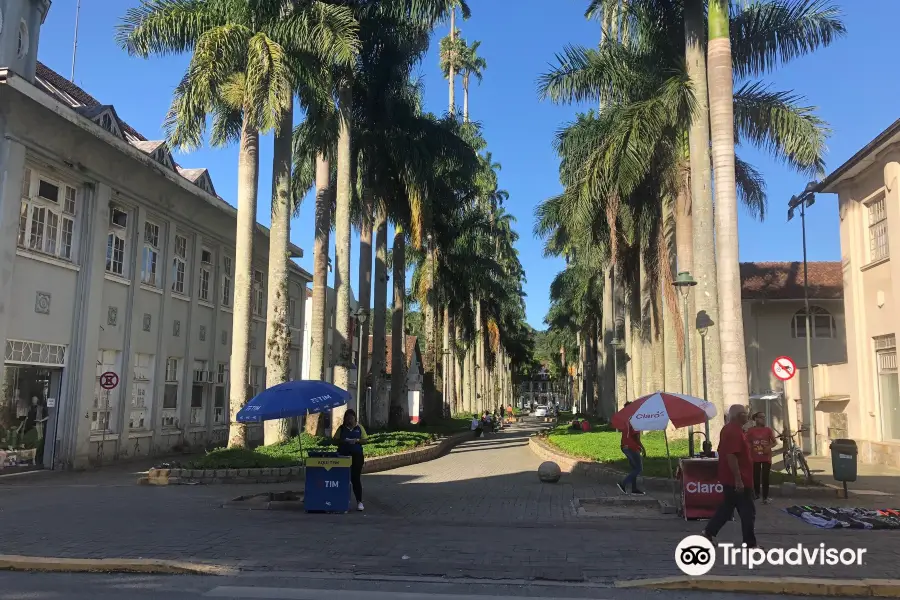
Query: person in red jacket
762	440
736	477
633	449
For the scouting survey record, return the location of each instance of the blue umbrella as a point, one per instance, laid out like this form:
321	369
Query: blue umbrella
293	399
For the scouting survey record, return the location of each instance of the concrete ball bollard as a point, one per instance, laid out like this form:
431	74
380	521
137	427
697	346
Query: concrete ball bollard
549	472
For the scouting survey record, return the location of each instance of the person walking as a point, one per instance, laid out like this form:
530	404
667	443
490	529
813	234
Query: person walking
633	449
736	477
761	439
350	437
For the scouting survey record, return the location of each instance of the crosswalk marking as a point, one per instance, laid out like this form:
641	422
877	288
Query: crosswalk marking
264	593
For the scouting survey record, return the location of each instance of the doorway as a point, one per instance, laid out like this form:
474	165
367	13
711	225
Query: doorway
29	407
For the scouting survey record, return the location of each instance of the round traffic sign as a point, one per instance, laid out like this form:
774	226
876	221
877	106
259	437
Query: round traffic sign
109	380
784	368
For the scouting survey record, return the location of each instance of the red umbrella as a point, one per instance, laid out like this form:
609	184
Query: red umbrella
653	412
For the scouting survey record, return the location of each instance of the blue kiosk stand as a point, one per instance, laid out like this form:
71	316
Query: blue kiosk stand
327	483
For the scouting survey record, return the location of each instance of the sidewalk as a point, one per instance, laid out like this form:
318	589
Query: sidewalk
870	478
479	511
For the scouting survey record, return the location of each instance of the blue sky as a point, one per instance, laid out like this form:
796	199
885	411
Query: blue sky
850	83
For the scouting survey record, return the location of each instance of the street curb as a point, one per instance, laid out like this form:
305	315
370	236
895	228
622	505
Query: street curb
792	586
109	565
587	467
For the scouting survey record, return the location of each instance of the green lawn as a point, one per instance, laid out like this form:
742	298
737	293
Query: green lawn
603	444
290	453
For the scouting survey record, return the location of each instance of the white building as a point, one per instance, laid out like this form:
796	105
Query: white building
113	259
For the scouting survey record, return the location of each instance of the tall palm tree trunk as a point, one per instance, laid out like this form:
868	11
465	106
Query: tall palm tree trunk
399	405
429	316
465	98
319	333
580	373
479	359
278	334
342	324
670	315
635	306
380	401
447	365
706	293
458	391
684	244
622	326
647	333
452	76
248	183
721	111
365	291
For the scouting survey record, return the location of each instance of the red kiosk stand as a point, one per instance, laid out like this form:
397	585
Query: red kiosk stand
701	490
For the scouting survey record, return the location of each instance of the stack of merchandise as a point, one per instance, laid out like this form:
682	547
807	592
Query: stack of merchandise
847	517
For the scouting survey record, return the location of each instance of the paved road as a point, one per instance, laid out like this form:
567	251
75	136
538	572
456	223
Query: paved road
479	512
102	587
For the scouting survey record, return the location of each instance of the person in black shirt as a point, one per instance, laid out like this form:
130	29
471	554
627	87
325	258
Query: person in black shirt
351	436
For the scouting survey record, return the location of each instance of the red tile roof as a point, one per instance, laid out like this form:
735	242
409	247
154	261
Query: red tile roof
412	345
784	281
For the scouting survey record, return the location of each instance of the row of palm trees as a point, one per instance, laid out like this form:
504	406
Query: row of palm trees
373	156
652	183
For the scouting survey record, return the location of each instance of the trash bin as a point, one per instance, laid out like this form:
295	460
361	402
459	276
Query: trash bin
843	460
327	483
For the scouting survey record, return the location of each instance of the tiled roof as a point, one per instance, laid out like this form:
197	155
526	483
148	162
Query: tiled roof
784	281
81	97
412	345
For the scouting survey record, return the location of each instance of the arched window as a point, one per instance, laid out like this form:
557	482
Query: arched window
823	325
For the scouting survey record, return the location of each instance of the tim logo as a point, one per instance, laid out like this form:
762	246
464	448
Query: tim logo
332	484
695	555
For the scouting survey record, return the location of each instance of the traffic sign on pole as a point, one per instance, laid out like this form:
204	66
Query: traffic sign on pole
784	368
109	380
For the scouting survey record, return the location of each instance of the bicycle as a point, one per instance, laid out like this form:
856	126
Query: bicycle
793	456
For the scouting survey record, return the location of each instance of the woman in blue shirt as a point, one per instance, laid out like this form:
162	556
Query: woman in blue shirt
350	437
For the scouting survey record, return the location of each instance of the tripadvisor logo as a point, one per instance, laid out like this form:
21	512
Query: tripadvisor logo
695	555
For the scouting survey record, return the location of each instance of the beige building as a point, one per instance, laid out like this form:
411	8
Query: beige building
868	190
113	259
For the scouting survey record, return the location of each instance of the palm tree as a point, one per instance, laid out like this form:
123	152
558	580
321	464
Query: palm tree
471	64
242	73
648	106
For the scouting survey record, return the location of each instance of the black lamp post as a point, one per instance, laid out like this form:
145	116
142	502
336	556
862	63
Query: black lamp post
703	325
684	282
361	316
806	199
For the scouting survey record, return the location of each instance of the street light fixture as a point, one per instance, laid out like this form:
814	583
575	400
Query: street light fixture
683	283
703	325
806	199
616	344
361	316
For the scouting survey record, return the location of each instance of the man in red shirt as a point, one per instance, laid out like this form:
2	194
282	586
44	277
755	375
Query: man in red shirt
736	477
632	448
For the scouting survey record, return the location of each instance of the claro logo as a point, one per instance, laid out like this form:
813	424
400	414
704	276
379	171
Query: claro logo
655	415
694	487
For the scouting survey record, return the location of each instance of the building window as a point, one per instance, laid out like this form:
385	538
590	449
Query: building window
115	241
255	379
878	231
259	294
823	324
46	224
198	392
150	266
103	410
292	312
22	40
219	412
889	393
141	391
205	271
178	264
226	281
170	398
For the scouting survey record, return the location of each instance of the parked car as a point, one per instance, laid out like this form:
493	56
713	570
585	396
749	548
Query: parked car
540	411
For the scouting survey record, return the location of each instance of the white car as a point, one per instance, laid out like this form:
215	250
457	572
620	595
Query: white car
540	411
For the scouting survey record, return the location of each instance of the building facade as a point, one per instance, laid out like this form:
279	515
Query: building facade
117	277
868	194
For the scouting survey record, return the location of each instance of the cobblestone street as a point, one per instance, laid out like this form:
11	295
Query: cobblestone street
479	511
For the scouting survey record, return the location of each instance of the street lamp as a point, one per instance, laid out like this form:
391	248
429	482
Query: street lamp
615	343
806	199
684	282
361	316
703	325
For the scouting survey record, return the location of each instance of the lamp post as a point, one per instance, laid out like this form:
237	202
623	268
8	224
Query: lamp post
684	282
615	344
703	325
806	199
361	316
